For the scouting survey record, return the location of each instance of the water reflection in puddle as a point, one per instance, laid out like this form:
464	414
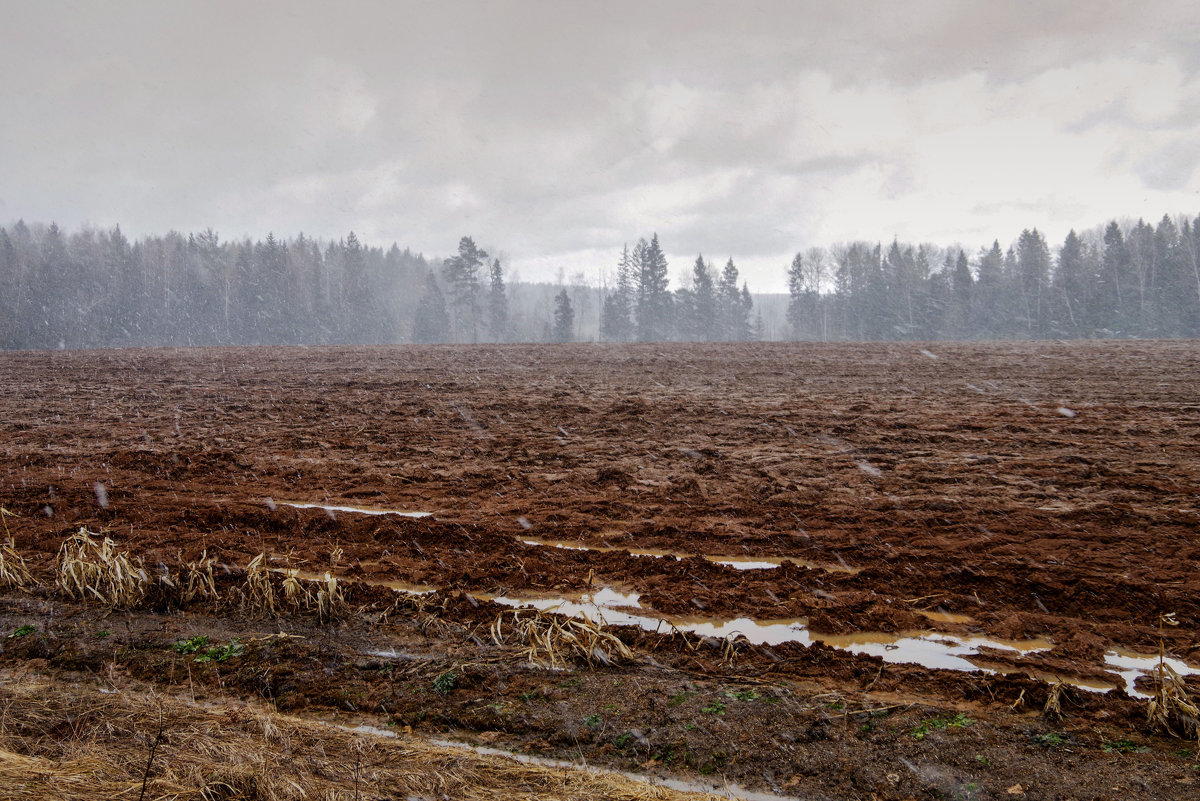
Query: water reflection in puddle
395	584
362	510
1130	667
731	790
736	562
929	649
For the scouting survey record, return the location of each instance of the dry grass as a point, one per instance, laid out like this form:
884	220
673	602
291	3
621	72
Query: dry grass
1053	706
555	640
1172	709
13	571
260	593
68	742
198	581
330	601
293	591
89	567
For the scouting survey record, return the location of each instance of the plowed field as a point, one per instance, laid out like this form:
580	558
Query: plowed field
854	512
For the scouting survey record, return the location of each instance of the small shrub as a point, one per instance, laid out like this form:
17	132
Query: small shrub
221	653
445	683
21	631
191	646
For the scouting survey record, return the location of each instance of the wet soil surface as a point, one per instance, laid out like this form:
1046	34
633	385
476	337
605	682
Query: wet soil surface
1019	491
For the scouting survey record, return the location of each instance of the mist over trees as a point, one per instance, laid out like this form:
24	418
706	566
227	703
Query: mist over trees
1137	281
96	288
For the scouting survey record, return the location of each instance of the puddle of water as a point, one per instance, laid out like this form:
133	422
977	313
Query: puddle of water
938	616
607	606
748	563
362	510
929	649
404	586
736	562
395	584
613	607
392	653
733	791
1130	666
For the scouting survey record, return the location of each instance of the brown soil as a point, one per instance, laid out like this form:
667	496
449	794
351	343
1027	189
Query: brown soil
1041	489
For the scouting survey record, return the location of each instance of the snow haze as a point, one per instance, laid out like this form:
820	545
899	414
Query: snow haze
555	132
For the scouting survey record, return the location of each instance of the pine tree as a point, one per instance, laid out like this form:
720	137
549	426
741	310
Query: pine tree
989	305
564	318
729	303
744	331
498	305
798	296
616	319
1111	313
962	287
462	275
653	313
1069	283
431	323
696	307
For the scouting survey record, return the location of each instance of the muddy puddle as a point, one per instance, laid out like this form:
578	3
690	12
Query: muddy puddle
931	649
731	790
362	510
736	562
395	584
724	790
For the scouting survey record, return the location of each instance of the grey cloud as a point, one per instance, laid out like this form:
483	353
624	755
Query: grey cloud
529	124
1172	166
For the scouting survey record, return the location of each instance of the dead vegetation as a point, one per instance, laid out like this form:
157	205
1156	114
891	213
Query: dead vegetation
260	592
198	580
89	567
553	640
13	571
71	742
1172	709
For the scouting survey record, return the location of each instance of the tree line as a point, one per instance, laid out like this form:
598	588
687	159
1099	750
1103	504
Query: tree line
1134	281
96	288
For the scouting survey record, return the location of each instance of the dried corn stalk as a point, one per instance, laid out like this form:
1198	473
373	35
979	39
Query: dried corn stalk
198	581
259	593
93	569
1172	709
330	601
554	640
13	571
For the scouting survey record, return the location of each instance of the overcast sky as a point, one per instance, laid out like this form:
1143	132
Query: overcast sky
554	132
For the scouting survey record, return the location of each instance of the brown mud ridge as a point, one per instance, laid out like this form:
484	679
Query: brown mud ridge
1015	491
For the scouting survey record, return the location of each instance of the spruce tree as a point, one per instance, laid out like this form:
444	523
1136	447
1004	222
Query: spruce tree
462	275
1070	299
564	318
700	316
498	305
797	296
729	305
431	323
616	321
653	314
